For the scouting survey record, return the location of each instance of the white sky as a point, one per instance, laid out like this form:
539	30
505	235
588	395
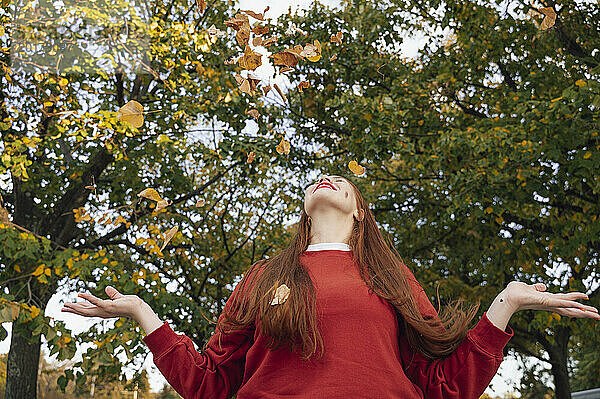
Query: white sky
503	382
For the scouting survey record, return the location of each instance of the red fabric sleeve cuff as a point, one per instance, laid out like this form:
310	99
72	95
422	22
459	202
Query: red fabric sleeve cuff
490	338
161	339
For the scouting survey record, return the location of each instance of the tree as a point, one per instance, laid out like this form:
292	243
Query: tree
72	168
481	154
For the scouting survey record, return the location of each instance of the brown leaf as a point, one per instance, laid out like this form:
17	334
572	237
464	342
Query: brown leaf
251	59
200	202
267	42
238	21
257	41
243	35
201	6
280	92
284	58
549	18
251	156
333	57
303	85
168	236
230	61
253	113
283	147
266	89
162	205
337	38
285	69
260	29
260	17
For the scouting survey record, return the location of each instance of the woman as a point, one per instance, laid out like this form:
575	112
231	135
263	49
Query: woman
355	322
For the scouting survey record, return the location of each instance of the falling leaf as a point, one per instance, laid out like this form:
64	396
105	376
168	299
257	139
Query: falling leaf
333	57
257	41
253	113
251	59
243	36
260	29
356	168
266	89
213	31
251	156
132	112
281	295
285	58
160	205
201	6
260	17
238	21
200	203
243	84
267	42
312	52
549	18
283	147
150	194
337	38
280	92
303	85
285	69
231	61
168	236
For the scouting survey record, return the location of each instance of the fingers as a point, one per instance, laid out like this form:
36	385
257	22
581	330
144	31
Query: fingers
573	312
96	301
82	309
112	292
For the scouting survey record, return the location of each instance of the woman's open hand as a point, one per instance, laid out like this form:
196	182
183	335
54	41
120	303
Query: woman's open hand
118	305
523	296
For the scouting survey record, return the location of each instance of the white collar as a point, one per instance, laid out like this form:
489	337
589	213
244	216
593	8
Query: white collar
341	246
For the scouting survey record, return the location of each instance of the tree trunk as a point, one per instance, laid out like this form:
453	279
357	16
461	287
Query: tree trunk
558	359
22	367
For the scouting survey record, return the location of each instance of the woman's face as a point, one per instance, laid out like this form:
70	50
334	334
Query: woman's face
333	192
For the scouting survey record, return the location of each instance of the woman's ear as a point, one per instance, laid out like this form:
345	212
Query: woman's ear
359	214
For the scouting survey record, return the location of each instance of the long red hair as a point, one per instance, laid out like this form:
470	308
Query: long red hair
381	268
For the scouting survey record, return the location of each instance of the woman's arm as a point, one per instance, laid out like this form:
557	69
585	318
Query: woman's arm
217	372
467	372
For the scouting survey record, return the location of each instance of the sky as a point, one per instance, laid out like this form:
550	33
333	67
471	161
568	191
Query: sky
504	380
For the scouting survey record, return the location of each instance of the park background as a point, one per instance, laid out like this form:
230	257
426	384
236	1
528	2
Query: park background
477	127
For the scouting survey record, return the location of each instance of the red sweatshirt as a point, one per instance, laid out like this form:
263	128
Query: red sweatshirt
363	357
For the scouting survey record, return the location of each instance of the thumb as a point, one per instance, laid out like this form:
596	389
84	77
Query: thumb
540	286
112	292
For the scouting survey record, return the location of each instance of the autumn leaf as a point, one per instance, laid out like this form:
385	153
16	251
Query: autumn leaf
168	236
200	203
257	41
292	29
303	85
150	194
260	29
201	6
251	59
285	69
253	113
337	38
549	18
316	49
280	92
251	156
580	83
333	57
160	205
132	112
260	17
266	89
243	84
238	21
356	168
281	295
267	42
243	36
284	58
283	147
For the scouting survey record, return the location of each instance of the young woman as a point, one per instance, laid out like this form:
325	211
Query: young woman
355	321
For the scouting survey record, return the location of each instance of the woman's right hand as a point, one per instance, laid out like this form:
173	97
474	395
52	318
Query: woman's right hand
118	305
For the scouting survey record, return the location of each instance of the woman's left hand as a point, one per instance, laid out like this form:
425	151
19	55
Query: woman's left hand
521	296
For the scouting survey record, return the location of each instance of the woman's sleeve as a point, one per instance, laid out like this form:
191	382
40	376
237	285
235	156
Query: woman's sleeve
467	372
216	372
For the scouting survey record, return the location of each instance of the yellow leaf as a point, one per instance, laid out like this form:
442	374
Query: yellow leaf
580	83
104	261
17	269
488	210
63	82
356	168
160	205
39	270
150	194
549	18
168	236
283	147
132	112
587	155
67	339
35	311
47	272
